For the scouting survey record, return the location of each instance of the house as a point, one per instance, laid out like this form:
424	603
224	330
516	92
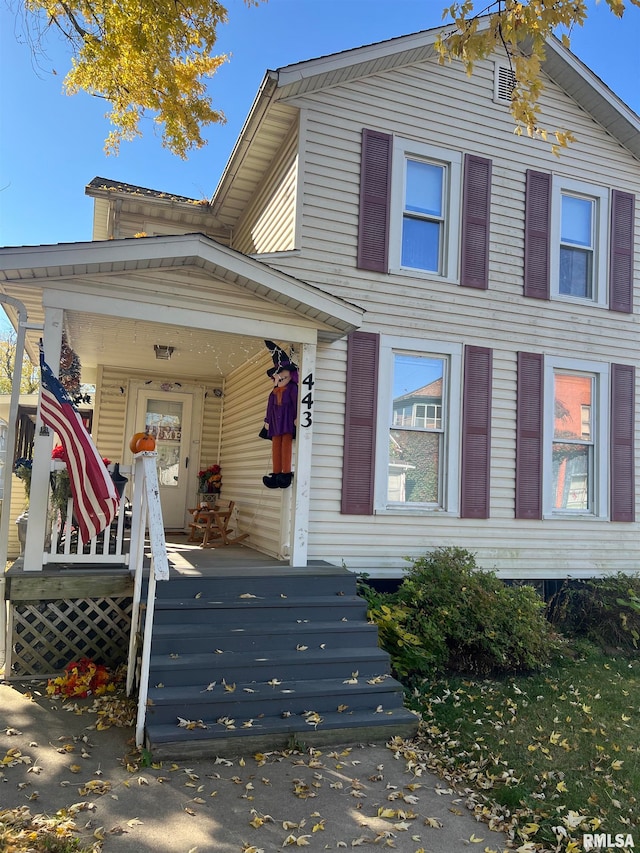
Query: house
462	305
358	206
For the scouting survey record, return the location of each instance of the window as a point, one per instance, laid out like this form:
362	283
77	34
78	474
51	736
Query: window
577	415
423	215
579	242
579	221
421	209
572	449
426	196
418	426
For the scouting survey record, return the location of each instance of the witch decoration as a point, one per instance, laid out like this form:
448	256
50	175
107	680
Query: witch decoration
280	420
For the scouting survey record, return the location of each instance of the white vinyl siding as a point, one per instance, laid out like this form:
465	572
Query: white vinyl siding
269	223
247	458
422	103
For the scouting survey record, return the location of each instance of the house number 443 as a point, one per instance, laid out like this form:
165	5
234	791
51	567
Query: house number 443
306	403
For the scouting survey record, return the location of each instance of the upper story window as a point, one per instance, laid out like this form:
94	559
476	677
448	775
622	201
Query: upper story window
579	242
423	216
425	209
577	246
579	226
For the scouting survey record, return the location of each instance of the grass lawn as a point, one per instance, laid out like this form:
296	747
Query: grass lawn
549	756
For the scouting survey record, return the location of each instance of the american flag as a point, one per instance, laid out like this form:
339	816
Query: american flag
95	500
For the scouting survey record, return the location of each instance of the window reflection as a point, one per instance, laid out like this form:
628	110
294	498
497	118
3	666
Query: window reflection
572	452
416	436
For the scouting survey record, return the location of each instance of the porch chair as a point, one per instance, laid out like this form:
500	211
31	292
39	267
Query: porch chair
213	525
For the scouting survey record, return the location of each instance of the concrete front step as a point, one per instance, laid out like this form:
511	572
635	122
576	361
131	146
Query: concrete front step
265	735
202	669
182	639
259	699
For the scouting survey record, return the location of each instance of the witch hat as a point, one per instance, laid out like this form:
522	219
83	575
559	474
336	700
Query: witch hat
281	360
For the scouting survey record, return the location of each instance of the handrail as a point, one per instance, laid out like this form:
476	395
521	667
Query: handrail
146	512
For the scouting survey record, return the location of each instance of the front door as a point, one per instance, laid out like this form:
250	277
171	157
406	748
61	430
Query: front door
167	417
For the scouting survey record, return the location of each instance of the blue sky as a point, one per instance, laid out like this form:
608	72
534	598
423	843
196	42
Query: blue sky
51	145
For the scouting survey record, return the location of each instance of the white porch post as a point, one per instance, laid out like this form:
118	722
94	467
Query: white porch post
42	445
304	446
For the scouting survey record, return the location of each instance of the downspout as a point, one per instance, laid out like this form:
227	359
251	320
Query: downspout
8	468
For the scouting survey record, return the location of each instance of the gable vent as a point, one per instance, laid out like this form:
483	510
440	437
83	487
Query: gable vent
504	83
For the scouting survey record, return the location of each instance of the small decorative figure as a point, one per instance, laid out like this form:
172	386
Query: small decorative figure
281	418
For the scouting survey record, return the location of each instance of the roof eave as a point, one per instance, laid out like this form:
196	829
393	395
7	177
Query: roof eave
570	74
334	317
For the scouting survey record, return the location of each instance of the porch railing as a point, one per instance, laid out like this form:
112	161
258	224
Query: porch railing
144	526
146	514
63	542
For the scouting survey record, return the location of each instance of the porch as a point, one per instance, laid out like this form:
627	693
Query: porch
99	594
247	652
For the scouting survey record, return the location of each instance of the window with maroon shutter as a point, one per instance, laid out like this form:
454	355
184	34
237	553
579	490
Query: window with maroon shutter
529	440
375	190
622	442
476	432
621	258
360	424
537	235
476	203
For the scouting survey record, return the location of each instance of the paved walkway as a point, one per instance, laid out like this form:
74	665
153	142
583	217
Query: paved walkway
337	798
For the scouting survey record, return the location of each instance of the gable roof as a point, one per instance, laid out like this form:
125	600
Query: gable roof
29	268
270	119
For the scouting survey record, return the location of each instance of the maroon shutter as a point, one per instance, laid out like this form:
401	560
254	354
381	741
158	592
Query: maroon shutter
621	258
476	203
622	446
375	191
360	424
476	432
537	235
529	421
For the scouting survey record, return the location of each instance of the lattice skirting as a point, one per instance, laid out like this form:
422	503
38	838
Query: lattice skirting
47	635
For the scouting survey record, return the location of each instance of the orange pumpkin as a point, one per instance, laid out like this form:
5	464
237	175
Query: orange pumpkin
142	441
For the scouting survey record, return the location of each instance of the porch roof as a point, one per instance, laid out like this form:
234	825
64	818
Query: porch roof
27	270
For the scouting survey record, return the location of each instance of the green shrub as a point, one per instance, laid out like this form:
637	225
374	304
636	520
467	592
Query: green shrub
447	614
604	610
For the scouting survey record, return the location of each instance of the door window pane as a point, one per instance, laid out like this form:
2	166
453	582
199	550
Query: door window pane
164	422
416	437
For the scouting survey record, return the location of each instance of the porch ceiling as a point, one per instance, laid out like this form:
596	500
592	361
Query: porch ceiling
128	344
